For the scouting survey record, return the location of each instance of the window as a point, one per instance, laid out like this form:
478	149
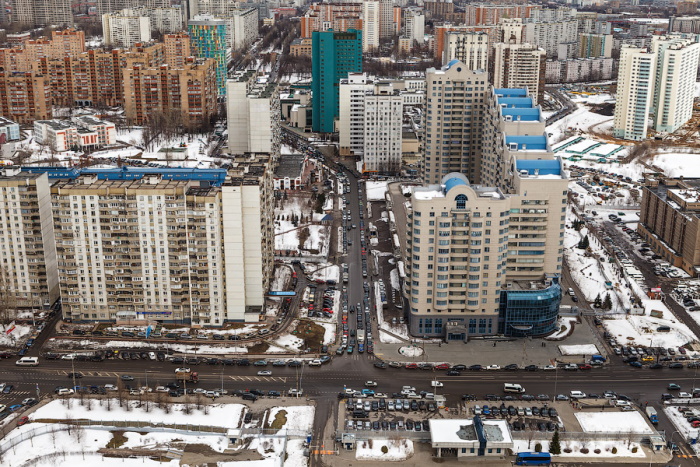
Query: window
461	201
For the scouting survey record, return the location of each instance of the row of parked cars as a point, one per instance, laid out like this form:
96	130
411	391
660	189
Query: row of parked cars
512	411
385	425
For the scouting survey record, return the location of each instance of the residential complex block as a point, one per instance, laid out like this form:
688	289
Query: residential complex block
125	28
146	244
28	264
470	48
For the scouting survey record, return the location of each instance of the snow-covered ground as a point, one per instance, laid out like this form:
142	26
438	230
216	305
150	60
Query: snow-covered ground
590	274
323	271
623	448
676	165
682	425
287	234
373	450
299	418
16	336
222	415
194	348
613	422
565	324
288	341
583	349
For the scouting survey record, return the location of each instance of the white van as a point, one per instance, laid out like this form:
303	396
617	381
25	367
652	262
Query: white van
65	392
28	361
512	387
577	394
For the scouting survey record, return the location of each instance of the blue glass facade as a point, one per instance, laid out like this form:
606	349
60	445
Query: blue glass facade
530	312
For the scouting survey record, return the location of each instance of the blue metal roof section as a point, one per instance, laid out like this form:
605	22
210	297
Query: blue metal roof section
510	92
215	177
522	114
516	102
543	167
454	179
528	142
451	62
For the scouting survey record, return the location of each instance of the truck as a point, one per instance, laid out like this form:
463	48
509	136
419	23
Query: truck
653	417
360	336
186	375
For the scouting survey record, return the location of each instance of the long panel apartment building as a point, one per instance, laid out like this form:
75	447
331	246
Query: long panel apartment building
176	245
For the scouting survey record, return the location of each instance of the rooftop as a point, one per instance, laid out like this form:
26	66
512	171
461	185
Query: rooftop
539	167
527	143
214	176
457	432
290	166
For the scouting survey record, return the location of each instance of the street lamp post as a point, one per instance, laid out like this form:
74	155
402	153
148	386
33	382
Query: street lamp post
556	379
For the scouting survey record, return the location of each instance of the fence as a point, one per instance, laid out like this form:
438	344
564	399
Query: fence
364	435
586	436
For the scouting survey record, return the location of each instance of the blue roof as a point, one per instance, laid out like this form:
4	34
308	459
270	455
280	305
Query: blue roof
528	142
214	176
522	114
510	92
516	102
543	167
452	62
453	182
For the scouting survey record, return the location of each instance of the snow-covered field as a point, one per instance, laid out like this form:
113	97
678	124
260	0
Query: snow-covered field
222	415
396	450
78	447
17	335
676	165
613	422
287	234
583	349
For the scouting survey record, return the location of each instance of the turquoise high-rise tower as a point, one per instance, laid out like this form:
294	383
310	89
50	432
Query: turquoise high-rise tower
333	55
208	40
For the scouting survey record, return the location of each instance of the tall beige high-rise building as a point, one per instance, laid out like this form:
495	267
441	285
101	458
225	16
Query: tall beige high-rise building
468	245
452	121
677	59
635	91
28	265
518	66
470	48
177	49
456	249
370	25
518	159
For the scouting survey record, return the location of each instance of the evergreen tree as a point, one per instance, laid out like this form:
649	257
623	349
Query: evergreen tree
607	303
555	446
598	302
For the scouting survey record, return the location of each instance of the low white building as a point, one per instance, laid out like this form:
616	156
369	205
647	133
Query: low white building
82	132
470	438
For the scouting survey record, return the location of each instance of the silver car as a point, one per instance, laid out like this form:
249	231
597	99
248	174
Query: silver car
398	404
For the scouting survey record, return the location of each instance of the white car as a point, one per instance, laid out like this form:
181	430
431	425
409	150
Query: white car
380	395
315	363
493	367
200	391
221	391
182	370
264	373
145	389
436	384
370	384
65	392
684	395
111	387
549	368
162	389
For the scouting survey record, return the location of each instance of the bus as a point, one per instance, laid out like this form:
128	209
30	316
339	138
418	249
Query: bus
27	361
533	458
512	387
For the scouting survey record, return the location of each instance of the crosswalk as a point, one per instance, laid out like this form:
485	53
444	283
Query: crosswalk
16	395
280	379
105	374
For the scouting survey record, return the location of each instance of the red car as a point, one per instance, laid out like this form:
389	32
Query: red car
442	366
585	366
411	366
695	423
22	421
